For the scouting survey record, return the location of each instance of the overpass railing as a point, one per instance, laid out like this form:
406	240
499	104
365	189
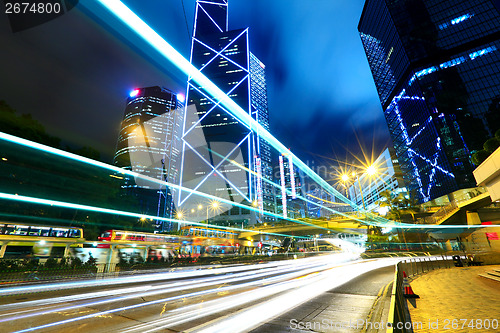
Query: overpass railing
452	206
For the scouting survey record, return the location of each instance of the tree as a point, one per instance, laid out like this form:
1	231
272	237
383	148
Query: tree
24	126
491	145
479	157
398	205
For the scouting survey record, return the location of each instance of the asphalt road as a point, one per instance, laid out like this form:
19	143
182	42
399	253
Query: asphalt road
356	306
201	299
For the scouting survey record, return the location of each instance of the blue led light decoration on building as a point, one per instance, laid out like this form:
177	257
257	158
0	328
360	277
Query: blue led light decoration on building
222	156
444	64
148	144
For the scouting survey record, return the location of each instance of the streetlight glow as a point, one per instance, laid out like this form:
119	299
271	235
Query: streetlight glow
371	170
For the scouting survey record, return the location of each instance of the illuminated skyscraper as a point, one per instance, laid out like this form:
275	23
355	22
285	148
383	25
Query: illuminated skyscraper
149	145
436	66
292	188
222	156
264	190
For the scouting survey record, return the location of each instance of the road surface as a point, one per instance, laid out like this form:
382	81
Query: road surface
200	299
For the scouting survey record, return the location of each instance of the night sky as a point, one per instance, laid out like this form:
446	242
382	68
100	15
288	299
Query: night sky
73	74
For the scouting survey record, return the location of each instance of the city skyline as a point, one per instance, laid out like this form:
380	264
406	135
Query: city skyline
246	181
90	40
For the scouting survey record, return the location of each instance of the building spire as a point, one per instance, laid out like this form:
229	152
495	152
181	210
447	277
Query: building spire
211	17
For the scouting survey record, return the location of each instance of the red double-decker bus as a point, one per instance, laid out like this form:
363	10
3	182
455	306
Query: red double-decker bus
117	236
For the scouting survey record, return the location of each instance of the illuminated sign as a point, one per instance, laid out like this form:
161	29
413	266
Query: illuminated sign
134	93
258	166
292	177
283	190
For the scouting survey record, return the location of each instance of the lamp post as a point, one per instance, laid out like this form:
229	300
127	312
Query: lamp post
354	174
370	171
345	179
214	205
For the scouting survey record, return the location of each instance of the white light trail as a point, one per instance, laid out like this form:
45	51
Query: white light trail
88	161
318	264
247	319
302	288
62	204
151	37
170	275
146	291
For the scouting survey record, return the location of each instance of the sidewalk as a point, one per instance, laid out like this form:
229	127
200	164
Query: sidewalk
459	294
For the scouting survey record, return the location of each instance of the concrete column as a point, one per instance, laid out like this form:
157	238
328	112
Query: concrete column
66	251
473	218
3	248
112	252
146	253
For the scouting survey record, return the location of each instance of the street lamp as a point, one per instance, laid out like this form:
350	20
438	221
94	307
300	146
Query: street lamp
214	206
369	171
354	174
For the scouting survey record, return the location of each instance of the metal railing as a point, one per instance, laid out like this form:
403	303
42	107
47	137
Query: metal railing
441	213
452	206
399	315
422	265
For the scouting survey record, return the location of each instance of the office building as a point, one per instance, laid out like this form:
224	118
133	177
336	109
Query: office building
321	204
436	67
264	188
148	144
222	156
366	189
290	194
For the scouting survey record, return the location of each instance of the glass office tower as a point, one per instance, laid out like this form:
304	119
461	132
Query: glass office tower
222	156
436	66
148	144
264	190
